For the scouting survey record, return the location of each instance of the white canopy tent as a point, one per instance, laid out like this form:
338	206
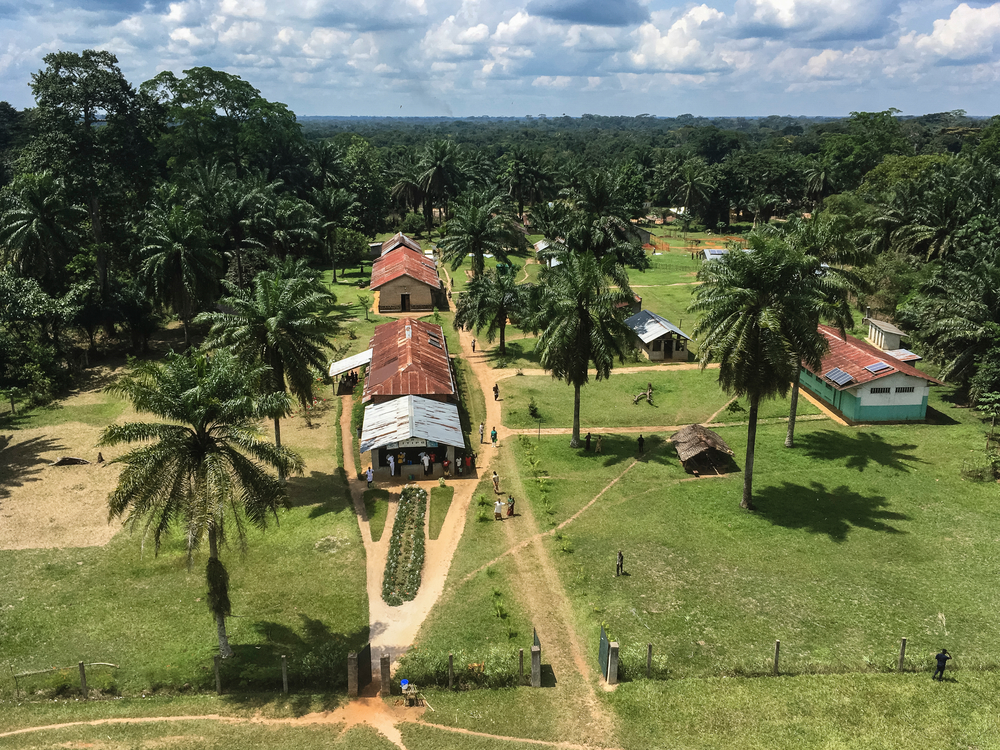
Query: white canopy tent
351	363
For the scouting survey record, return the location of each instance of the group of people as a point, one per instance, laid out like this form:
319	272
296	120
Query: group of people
351	378
498	507
493	434
586	441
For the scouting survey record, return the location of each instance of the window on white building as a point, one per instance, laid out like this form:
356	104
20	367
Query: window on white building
875	391
905	389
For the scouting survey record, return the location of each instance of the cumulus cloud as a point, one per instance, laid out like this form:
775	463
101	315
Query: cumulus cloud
591	12
815	20
685	46
968	35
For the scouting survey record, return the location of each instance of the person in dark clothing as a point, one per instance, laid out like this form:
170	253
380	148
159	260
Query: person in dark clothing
642	444
942	660
587	441
510	506
620	565
496	392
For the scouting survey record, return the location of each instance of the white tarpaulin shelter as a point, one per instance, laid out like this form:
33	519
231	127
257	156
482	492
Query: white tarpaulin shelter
351	363
411	418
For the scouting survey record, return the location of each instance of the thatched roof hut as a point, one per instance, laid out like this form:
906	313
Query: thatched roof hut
696	444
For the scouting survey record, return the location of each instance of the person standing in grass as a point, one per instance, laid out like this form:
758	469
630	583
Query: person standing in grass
586	440
642	444
598	448
510	506
942	661
482	427
498	508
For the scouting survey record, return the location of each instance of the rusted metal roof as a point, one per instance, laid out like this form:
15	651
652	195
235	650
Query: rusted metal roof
411	417
409	358
351	363
694	440
399	240
404	262
852	357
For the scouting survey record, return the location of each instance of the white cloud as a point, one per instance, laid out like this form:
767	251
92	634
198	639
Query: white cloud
688	45
967	34
815	20
325	43
450	40
244	8
552	82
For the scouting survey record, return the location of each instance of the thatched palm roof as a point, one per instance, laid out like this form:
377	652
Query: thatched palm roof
694	440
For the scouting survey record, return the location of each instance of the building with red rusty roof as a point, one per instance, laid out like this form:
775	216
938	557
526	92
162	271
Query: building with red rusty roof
400	240
409	358
866	384
405	281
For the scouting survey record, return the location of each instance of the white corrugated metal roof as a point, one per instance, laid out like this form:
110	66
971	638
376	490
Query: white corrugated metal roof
885	326
351	363
649	326
411	417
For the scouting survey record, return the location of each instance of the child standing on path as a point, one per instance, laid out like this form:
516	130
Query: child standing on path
482	426
473	346
370	476
496	483
496	391
493	436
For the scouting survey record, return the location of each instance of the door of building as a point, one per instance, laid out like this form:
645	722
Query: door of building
404	302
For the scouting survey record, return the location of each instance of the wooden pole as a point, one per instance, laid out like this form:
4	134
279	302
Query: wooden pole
284	673
520	663
83	680
777	652
902	655
451	671
218	678
649	660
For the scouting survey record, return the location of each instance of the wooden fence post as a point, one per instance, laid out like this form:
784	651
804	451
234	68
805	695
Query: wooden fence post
384	667
218	677
284	673
536	666
520	664
451	670
649	660
902	655
83	681
777	652
352	675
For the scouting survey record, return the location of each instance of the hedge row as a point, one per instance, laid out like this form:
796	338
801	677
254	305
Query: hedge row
401	580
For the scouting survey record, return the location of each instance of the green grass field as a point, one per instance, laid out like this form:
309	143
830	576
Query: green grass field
377	507
439	504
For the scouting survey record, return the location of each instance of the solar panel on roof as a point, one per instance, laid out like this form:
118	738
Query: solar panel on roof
839	377
878	367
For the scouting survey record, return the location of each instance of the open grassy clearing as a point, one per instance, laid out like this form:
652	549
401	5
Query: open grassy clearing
377	507
863	535
147	613
674	267
679	397
439	504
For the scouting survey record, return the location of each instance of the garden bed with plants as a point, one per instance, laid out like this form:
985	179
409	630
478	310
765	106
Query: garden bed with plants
406	548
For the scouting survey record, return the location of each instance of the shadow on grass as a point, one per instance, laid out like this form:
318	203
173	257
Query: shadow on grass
22	460
816	509
548	676
617	449
939	417
858	449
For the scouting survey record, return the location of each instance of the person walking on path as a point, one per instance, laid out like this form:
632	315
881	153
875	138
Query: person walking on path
642	444
392	465
942	660
587	441
620	565
493	437
496	483
510	506
598	447
496	391
498	510
473	346
370	476
482	426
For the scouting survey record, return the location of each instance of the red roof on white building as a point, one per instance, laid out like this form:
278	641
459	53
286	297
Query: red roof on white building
409	358
853	357
405	262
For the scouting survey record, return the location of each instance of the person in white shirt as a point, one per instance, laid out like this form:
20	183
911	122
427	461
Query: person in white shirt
370	476
426	460
498	510
392	465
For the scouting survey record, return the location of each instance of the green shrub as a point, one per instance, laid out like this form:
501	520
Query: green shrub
406	548
491	667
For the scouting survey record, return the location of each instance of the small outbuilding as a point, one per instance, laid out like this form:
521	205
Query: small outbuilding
701	450
657	337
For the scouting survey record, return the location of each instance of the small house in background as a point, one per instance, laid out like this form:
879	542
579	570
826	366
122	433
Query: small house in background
701	450
374	249
888	338
642	236
400	240
866	384
657	337
406	281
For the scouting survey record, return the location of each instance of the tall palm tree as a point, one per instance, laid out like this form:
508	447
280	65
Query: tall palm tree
326	163
336	210
290	228
180	266
694	185
756	324
489	300
37	226
281	321
820	182
439	176
204	467
482	225
579	309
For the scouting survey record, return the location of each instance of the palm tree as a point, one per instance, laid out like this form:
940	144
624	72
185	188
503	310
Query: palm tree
37	226
580	309
489	300
180	266
694	185
204	466
290	228
326	162
820	182
756	325
282	321
439	176
482	225
336	210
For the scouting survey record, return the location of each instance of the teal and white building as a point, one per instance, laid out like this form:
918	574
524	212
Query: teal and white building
865	384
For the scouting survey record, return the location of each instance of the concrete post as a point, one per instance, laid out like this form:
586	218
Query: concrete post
902	655
536	666
352	675
218	677
649	660
83	681
284	674
451	671
613	663
386	689
777	653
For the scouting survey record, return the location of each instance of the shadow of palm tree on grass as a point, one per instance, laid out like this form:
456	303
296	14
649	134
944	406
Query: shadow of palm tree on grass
21	461
858	450
816	509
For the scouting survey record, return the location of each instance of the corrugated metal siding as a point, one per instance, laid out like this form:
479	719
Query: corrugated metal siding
411	417
404	262
406	363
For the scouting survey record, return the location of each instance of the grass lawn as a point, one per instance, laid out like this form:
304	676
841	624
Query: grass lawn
147	612
862	535
377	507
440	502
679	397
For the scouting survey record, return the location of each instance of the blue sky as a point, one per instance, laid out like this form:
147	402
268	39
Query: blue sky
519	57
